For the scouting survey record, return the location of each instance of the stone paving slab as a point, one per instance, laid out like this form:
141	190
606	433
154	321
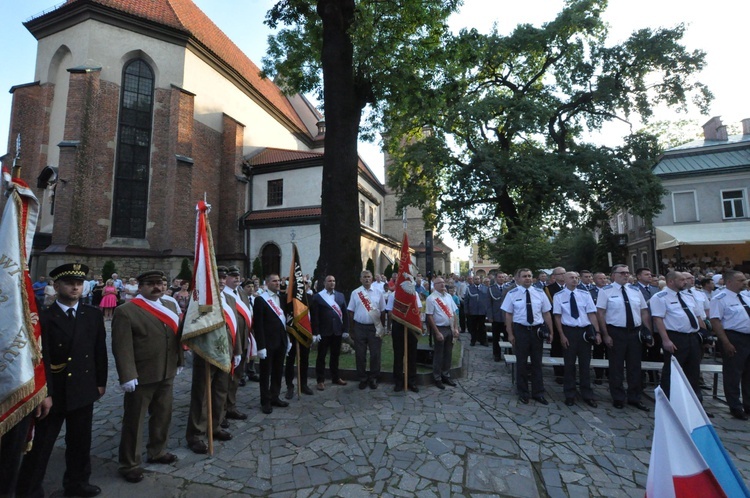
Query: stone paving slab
475	440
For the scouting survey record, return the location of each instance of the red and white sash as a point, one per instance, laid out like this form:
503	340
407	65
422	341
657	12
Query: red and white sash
372	311
159	311
443	307
242	308
269	299
330	299
230	318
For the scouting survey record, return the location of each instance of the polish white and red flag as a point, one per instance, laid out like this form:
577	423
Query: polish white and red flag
676	468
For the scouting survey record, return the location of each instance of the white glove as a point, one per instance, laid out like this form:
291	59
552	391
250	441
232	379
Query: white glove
345	335
179	370
288	347
129	386
262	353
316	338
237	360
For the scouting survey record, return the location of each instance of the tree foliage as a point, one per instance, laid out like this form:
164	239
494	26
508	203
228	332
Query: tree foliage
496	140
108	269
257	268
185	272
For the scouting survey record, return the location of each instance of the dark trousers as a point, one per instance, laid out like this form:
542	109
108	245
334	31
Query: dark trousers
12	446
156	400
689	353
498	334
477	329
234	383
197	423
271	372
736	370
462	317
441	355
580	350
77	450
625	353
397	334
364	338
528	345
332	344
291	361
557	351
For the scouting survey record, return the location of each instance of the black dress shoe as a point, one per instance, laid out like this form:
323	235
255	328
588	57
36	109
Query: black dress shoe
84	489
598	382
747	409
738	414
222	436
449	382
618	404
242	382
289	392
306	390
414	389
280	403
363	384
235	415
639	405
398	389
165	459
266	409
224	424
439	384
591	403
253	377
136	475
373	384
570	401
196	446
540	399
524	400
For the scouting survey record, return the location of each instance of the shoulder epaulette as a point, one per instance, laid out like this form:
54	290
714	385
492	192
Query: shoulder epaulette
608	286
721	296
661	294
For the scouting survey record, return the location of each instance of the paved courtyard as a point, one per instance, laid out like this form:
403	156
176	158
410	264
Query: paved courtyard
473	440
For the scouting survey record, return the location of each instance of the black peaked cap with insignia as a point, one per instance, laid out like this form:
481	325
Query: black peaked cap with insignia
73	271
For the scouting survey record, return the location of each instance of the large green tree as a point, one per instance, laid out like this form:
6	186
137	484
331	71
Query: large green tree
353	53
499	136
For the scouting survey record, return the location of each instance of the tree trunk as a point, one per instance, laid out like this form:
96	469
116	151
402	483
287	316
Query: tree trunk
340	252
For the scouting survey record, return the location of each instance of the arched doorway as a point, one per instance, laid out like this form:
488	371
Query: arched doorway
270	258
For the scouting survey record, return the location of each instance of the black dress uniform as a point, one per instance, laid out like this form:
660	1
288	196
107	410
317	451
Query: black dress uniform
74	346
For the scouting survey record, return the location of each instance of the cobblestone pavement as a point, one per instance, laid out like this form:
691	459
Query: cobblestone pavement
473	440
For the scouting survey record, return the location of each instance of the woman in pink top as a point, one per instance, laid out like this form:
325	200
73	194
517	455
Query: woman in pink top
109	299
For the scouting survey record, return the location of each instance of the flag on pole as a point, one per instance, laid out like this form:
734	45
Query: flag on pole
298	313
22	381
690	412
204	326
405	309
676	468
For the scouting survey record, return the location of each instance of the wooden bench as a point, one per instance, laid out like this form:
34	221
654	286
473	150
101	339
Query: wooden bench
547	361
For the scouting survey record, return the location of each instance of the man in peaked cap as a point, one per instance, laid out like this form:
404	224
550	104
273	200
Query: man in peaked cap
148	355
75	355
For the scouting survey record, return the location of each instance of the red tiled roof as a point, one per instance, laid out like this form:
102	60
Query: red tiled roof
271	155
291	213
185	16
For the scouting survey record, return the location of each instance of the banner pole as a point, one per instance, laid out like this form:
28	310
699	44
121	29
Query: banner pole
299	373
209	416
406	358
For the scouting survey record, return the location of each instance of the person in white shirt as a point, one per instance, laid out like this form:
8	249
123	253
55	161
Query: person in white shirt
442	321
367	314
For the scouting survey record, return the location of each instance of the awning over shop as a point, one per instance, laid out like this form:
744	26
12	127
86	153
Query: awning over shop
703	234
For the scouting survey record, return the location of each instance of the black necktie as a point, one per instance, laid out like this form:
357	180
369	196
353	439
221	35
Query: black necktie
744	304
691	317
629	321
529	311
70	314
573	305
648	291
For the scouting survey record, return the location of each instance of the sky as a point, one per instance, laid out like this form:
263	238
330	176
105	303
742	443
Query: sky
719	28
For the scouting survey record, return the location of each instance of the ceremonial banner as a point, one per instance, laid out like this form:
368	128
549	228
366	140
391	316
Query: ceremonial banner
22	381
298	313
701	430
405	309
204	326
676	468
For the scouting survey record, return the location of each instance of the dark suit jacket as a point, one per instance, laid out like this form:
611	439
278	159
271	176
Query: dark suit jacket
81	344
324	320
144	348
270	333
647	294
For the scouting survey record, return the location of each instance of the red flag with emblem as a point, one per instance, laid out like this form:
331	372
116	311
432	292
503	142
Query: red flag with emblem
405	309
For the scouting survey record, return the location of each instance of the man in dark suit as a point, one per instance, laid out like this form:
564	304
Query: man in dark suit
148	355
269	322
650	353
556	284
330	323
74	345
495	315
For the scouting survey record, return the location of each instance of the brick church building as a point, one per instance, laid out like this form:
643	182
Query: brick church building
139	108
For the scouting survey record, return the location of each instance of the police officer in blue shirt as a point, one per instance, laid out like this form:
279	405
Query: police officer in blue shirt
475	301
526	308
495	314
